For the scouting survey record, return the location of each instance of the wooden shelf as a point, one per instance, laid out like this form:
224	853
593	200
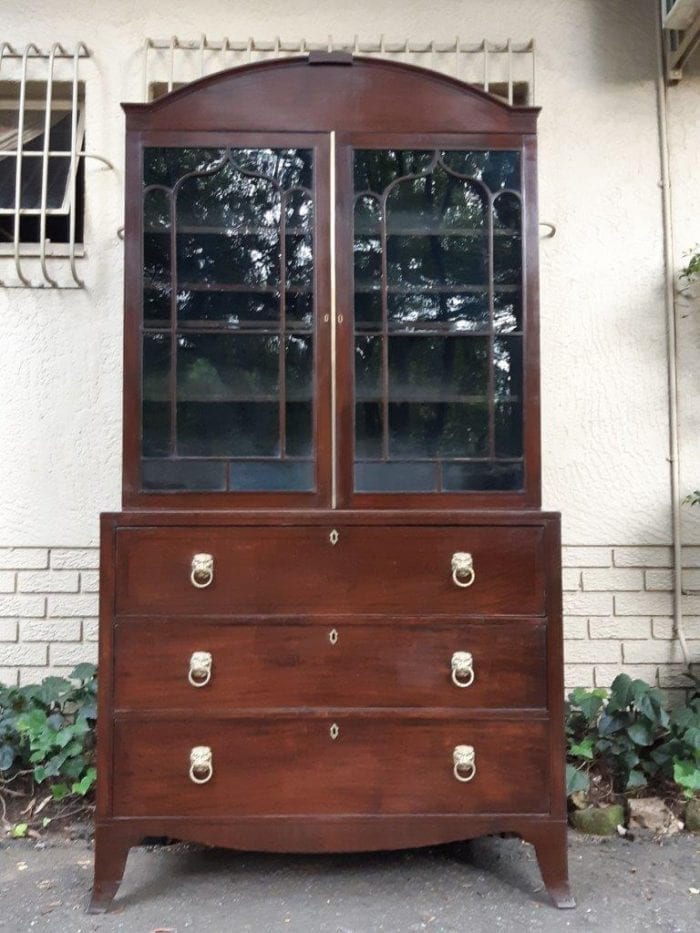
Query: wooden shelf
266	328
229	398
436	400
365	289
229	287
448	232
246	230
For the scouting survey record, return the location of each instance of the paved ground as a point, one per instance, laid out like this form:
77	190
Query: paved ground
486	885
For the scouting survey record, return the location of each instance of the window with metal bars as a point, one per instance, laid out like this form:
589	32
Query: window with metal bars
41	175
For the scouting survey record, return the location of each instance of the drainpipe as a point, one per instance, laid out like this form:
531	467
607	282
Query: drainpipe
672	341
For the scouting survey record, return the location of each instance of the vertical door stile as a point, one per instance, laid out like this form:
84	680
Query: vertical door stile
333	314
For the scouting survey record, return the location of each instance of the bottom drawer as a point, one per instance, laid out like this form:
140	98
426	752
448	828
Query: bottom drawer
302	765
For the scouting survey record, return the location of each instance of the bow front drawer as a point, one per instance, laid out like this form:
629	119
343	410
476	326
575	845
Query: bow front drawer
215	767
203	665
244	570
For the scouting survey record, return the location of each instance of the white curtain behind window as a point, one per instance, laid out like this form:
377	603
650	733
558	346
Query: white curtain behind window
33	126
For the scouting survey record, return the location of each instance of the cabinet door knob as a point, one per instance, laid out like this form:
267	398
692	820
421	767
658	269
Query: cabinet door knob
202	570
200	668
201	764
462	669
463	572
464	763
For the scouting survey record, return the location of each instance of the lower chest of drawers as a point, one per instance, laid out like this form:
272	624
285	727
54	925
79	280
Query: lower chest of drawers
325	670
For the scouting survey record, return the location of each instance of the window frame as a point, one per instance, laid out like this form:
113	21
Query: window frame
30	248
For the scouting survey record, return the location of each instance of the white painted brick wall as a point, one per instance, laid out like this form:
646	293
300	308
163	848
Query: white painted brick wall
48	611
618	608
617	613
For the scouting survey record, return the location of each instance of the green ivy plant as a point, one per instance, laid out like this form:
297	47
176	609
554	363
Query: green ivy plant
681	750
690	275
691	270
48	729
628	740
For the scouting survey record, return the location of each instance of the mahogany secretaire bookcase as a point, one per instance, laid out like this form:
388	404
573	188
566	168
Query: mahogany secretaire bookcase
330	608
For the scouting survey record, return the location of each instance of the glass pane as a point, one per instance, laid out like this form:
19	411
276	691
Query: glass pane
508	380
299	438
157	286
58	166
508	311
482	476
243	276
368	430
368	310
435	262
229	429
368	368
233	308
496	168
438	317
184	475
463	311
438	369
435	431
259	475
156	407
227	367
212	259
385	477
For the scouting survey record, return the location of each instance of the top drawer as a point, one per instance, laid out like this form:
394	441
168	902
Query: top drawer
298	570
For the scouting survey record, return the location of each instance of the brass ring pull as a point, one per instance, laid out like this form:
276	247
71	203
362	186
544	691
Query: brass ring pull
463	573
464	763
201	764
202	570
199	673
462	669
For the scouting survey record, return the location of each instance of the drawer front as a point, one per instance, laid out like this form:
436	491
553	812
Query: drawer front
298	570
328	662
294	767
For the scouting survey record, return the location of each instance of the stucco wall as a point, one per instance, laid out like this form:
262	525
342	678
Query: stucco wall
604	378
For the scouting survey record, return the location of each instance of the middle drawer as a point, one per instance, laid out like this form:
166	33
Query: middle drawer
203	665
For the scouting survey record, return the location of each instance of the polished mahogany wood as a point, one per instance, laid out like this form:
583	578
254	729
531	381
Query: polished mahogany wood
331	661
281	782
370	96
299	570
321	834
372	103
293	766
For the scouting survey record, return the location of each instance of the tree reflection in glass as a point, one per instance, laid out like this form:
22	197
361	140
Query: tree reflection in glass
228	285
438	275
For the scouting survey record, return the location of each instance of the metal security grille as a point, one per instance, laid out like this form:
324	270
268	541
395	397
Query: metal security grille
505	69
42	122
681	34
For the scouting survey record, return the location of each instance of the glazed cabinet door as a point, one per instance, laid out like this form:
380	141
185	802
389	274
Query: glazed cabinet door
327	319
230	374
433	291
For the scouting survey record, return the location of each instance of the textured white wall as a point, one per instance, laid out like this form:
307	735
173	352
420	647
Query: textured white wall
605	440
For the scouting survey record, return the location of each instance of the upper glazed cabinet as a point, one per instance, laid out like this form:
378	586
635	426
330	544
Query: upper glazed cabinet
326	311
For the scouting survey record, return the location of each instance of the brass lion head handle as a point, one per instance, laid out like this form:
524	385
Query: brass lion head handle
463	573
464	763
462	669
199	673
201	764
202	573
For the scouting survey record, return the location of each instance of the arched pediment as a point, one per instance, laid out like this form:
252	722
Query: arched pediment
334	93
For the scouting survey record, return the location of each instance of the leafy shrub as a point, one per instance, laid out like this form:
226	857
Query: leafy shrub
691	270
48	729
624	739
